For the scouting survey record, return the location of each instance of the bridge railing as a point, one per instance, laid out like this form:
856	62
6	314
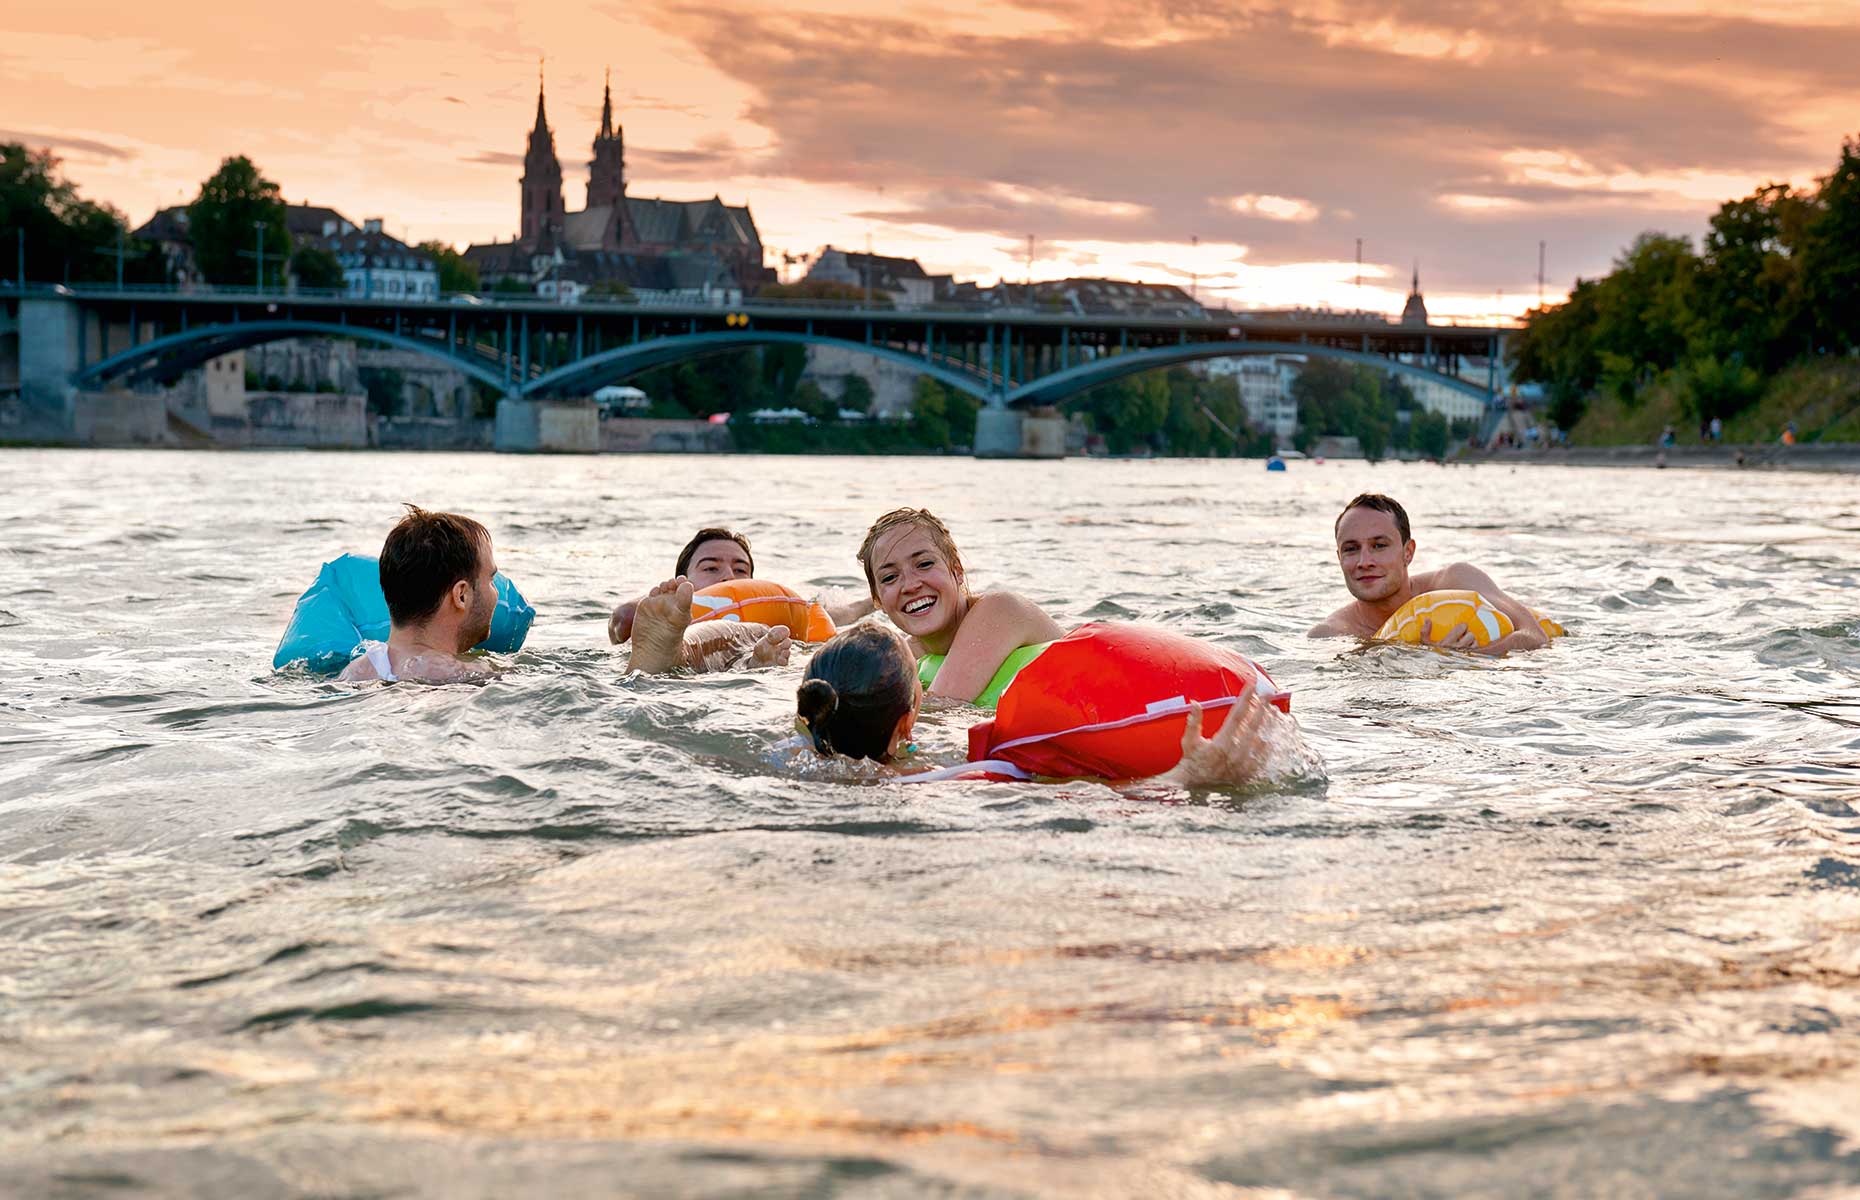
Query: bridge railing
1316	318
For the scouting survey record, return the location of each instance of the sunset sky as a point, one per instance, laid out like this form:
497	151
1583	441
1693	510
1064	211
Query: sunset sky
1454	132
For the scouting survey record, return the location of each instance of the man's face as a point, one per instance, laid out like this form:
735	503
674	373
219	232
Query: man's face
1373	556
717	560
477	624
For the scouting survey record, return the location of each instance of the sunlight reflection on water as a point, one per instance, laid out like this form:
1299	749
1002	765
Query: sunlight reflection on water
1578	916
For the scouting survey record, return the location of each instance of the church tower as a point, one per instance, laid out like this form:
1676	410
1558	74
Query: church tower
543	210
607	170
1415	311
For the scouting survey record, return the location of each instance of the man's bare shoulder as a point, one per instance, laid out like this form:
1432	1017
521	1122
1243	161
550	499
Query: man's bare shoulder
359	671
1456	576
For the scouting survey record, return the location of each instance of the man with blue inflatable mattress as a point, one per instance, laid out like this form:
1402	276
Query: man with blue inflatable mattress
438	576
1455	607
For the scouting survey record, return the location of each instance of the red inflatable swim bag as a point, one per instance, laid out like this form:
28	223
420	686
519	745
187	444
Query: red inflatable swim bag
1111	702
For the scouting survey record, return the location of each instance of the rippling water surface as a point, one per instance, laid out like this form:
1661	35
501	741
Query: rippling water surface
1583	922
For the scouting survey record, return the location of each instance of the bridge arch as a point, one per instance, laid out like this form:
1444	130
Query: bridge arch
584	375
177	352
1062	385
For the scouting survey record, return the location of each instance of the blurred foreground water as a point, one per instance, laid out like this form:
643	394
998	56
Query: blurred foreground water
1583	922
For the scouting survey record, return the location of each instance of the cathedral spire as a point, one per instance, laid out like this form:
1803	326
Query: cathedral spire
607	105
542	121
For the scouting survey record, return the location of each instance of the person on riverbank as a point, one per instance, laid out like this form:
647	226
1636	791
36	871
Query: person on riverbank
437	574
1375	549
861	696
960	638
715	555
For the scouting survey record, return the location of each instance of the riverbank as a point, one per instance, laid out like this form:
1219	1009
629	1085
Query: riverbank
1839	457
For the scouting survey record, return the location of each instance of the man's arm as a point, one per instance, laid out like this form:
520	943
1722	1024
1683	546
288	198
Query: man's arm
1527	633
1338	624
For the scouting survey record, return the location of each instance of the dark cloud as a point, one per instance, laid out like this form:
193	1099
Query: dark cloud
495	158
708	158
74	145
1329	105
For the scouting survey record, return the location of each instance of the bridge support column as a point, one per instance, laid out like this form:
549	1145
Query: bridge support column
51	331
1010	433
547	426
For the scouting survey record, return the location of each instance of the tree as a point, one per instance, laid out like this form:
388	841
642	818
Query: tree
1831	255
316	267
810	399
930	412
224	221
66	236
455	273
856	392
821	289
1429	434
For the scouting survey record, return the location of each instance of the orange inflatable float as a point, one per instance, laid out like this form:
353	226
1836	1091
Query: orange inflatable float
764	603
1110	701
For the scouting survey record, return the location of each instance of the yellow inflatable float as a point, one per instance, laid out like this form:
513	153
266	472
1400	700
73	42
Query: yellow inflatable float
765	603
1445	609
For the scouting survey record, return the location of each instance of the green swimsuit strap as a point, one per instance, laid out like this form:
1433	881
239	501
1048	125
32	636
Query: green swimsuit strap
930	664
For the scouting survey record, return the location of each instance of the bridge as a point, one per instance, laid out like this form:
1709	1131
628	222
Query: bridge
92	338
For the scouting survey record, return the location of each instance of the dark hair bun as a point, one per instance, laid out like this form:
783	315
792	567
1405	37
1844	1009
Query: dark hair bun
815	701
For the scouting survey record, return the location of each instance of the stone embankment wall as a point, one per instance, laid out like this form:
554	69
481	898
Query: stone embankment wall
641	435
429	433
1837	456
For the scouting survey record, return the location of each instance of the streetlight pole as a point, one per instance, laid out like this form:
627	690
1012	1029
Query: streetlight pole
259	261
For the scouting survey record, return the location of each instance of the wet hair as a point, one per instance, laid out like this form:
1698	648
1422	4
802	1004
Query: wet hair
713	535
425	554
1381	504
897	518
858	686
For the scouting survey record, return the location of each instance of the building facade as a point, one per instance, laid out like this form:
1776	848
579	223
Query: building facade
618	243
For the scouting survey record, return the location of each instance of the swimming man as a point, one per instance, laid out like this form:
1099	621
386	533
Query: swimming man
714	556
1374	548
437	574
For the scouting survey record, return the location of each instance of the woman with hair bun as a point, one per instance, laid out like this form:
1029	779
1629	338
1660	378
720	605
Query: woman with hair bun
860	695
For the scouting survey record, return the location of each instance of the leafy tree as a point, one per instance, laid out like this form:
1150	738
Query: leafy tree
810	399
930	413
1831	255
511	285
856	392
821	289
609	290
1750	303
456	274
66	236
385	387
961	409
224	220
1429	434
316	267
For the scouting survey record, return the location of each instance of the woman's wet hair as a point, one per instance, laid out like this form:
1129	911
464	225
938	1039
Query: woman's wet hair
713	535
897	518
858	687
425	554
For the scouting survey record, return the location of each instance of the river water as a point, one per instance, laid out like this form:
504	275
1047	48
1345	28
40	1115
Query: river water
1583	922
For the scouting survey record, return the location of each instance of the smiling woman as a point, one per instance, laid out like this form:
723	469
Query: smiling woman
917	578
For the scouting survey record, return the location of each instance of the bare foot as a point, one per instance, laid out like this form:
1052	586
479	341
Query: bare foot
771	649
659	626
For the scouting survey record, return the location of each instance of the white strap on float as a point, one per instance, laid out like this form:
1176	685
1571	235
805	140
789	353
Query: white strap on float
722	608
990	766
1155	710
